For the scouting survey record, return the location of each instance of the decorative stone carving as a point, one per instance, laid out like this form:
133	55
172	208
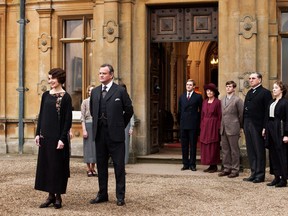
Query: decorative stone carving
197	63
244	85
248	27
42	86
110	31
44	42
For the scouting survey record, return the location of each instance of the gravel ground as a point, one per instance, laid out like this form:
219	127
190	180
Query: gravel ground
152	189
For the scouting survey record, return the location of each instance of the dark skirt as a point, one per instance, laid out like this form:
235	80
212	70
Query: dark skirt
52	167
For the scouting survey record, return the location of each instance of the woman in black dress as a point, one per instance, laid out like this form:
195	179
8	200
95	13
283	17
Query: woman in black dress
52	137
276	132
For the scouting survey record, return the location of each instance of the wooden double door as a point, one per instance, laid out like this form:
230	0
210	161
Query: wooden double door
167	27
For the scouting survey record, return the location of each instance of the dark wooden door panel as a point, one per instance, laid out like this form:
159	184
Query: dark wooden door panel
184	24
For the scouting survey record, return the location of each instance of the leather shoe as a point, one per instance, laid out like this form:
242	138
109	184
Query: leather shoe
223	173
274	182
251	179
257	180
120	202
233	175
193	168
48	202
184	168
213	169
98	199
282	183
58	203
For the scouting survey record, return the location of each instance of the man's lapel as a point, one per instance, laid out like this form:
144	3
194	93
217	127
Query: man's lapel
111	91
98	92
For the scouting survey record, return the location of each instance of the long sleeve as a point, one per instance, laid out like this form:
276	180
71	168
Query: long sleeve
66	116
38	130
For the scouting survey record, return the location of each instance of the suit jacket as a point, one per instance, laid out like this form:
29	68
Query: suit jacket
119	110
232	115
255	106
189	111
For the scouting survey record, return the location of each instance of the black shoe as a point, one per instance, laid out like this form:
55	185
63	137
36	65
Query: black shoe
193	168
50	200
250	179
208	169
257	180
213	169
58	203
98	199
184	168
223	173
233	175
282	183
274	182
120	202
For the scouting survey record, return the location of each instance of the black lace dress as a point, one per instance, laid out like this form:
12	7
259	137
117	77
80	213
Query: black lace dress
54	123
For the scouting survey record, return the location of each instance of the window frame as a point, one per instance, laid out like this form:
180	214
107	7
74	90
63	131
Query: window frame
84	40
282	8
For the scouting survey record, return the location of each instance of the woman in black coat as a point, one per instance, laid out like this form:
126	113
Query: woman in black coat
52	137
276	132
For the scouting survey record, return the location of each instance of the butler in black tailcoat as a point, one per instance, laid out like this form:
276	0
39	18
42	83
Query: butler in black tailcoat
111	109
255	106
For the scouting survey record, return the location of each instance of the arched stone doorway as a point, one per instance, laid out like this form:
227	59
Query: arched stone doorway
174	59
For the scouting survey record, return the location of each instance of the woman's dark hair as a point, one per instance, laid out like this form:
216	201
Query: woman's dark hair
59	74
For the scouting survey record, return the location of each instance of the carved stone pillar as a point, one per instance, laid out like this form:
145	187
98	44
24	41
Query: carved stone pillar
189	62
197	62
111	34
44	44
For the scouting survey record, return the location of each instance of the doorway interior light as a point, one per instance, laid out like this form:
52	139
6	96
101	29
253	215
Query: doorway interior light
214	61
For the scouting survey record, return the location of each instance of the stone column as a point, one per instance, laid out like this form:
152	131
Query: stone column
188	67
262	50
44	44
247	37
111	34
197	73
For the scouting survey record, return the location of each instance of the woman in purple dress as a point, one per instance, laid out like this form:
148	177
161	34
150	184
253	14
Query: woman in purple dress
52	137
210	126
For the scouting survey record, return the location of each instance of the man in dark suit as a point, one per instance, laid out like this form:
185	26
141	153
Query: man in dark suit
189	111
255	105
111	109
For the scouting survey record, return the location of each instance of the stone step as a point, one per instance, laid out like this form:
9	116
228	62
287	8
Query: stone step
170	155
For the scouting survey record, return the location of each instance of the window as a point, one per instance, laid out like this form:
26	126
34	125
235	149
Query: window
284	44
77	57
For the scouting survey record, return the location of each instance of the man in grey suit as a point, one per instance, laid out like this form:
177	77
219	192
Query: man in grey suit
111	109
231	123
255	107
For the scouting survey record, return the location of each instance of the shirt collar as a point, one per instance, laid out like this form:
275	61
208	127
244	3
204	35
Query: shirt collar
190	93
108	85
256	86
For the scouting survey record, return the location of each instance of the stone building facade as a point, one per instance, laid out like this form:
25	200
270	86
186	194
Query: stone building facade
154	46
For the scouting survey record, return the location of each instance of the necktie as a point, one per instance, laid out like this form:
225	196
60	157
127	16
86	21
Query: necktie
104	91
188	96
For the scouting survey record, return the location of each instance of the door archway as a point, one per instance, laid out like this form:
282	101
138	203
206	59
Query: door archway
172	29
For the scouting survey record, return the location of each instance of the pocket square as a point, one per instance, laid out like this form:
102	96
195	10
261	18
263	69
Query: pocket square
117	99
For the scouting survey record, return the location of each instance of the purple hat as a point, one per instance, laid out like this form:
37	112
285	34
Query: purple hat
212	87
